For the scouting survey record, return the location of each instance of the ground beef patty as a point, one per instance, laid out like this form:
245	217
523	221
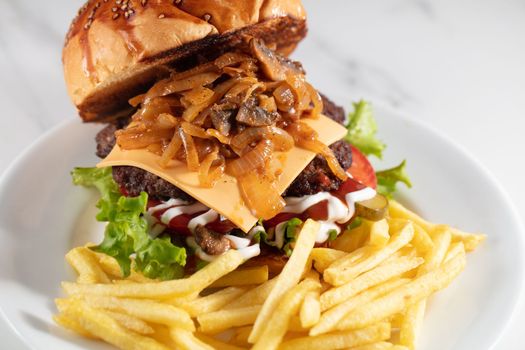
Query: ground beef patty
316	177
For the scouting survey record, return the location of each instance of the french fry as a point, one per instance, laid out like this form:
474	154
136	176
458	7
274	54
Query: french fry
413	316
146	310
217	344
295	325
455	250
185	340
72	325
324	257
132	323
380	274
470	240
310	311
213	302
83	260
241	336
345	271
340	340
403	296
421	239
379	346
255	296
289	276
330	318
350	240
243	277
101	325
201	279
274	331
112	268
379	235
218	321
352	258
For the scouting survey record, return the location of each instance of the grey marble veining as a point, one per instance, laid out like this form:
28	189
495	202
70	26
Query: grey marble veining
458	65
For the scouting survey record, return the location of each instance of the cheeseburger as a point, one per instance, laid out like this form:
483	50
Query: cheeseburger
213	139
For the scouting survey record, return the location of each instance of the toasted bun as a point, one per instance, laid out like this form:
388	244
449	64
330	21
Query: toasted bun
115	49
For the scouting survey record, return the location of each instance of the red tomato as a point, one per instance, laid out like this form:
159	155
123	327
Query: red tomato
361	169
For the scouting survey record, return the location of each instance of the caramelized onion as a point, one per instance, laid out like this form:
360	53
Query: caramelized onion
284	98
261	195
281	139
316	100
215	133
253	160
192	156
169	86
194	130
204	169
197	95
171	150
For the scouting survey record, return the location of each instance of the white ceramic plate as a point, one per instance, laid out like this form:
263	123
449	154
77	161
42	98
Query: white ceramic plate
43	215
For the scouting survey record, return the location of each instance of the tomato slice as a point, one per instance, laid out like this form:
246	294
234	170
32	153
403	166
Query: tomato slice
361	169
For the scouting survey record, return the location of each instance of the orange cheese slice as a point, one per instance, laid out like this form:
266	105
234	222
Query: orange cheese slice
225	196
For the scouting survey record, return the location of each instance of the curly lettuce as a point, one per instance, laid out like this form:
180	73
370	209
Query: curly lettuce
362	129
126	233
388	179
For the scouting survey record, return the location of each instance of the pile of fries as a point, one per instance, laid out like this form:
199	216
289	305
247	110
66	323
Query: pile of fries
368	291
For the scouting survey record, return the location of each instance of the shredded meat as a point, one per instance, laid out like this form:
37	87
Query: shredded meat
211	242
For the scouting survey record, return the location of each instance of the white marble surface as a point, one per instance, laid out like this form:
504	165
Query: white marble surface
457	65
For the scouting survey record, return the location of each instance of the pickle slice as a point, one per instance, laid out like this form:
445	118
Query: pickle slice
373	209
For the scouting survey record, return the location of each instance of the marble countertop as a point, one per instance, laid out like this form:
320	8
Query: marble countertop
457	65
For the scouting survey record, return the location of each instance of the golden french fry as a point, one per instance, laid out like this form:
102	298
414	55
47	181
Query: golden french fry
470	240
379	235
344	272
148	310
185	340
413	316
255	296
241	336
379	346
218	321
112	268
455	250
289	276
217	344
72	325
130	322
201	279
83	260
340	340
295	325
243	277
403	296
324	257
331	317
421	240
380	274
212	302
310	311
101	325
350	240
273	332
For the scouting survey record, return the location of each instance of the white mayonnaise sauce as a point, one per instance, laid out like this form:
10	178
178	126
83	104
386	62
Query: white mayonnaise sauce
338	211
173	212
238	242
203	219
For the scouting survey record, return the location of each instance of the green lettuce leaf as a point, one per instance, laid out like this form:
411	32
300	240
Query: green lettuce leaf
388	179
362	130
127	230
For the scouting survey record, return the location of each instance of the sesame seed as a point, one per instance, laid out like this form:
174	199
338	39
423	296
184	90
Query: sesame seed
114	9
118	2
177	2
161	16
143	2
115	16
207	17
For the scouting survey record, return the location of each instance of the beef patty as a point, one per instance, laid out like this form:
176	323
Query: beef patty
316	177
